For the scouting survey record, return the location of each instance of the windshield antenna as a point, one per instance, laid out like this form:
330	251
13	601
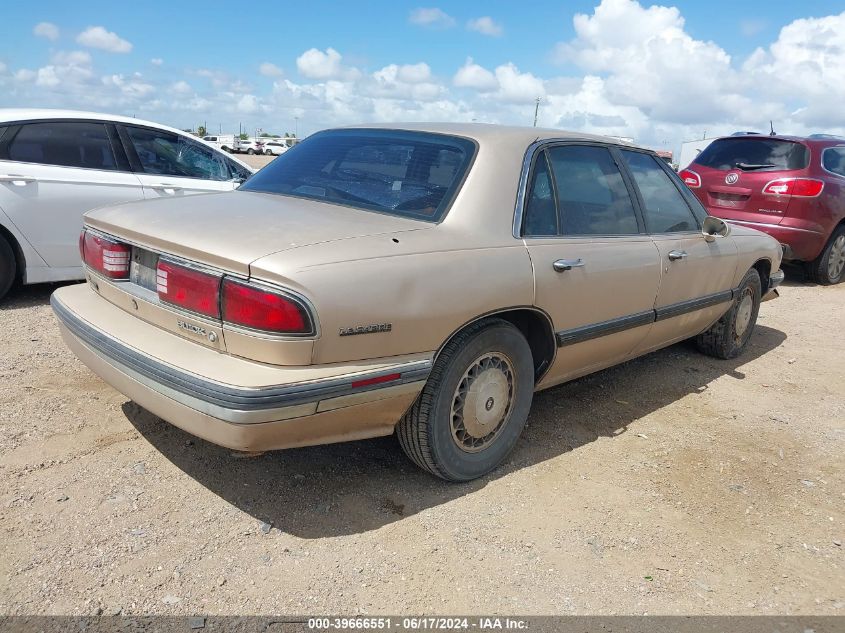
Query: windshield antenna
772	129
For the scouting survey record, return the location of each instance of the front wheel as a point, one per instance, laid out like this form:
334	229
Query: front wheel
728	337
473	408
828	268
250	151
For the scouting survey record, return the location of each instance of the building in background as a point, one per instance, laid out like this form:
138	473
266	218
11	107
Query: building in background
690	150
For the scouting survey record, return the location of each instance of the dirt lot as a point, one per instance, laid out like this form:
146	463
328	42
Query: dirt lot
673	484
255	161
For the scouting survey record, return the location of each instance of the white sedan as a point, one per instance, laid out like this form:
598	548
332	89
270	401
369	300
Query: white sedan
57	164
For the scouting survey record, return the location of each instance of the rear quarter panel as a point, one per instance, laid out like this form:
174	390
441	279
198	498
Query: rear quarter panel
753	246
425	286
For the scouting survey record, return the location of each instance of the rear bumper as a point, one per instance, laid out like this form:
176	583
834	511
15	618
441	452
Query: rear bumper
799	244
775	280
299	410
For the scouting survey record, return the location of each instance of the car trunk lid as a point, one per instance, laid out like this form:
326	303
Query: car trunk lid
734	172
231	230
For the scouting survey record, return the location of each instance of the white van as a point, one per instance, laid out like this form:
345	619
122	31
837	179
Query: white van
226	142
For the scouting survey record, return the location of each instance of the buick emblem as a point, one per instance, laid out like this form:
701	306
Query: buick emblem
731	178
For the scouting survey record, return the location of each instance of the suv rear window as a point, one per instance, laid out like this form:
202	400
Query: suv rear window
757	154
409	174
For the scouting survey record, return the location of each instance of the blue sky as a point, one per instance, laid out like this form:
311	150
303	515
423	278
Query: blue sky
209	62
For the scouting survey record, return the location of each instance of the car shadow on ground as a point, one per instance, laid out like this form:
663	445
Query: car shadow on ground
21	297
355	487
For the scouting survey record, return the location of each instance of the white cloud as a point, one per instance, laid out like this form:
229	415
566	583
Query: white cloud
156	61
25	74
410	81
317	64
248	104
98	37
181	87
517	87
471	75
270	70
72	58
47	30
506	82
486	26
431	17
132	87
47	77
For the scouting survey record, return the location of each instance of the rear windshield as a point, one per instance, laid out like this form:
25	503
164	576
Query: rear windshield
410	174
757	154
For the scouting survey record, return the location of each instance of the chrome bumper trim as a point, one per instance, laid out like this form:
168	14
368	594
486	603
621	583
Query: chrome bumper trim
241	405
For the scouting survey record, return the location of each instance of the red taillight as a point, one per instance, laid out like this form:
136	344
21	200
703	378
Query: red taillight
690	178
188	288
803	187
375	381
107	257
260	309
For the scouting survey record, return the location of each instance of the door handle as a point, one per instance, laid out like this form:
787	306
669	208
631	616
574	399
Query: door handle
676	255
166	187
562	265
16	179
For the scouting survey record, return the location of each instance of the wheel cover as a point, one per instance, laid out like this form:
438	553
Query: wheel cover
483	402
743	312
836	259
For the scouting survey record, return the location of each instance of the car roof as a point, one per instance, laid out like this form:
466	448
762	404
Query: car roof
481	132
8	115
817	139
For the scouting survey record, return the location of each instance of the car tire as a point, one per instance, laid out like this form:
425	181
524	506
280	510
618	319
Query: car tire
8	267
443	432
728	337
250	151
829	267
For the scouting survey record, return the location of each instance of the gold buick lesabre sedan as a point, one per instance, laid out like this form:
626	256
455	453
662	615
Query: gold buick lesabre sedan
421	279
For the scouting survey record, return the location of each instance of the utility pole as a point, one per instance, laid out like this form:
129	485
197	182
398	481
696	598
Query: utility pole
296	128
536	110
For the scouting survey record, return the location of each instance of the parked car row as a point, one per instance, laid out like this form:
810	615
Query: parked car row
381	280
250	317
233	145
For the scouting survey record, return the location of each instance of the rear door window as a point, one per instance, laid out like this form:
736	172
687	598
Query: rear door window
664	208
592	198
754	154
169	154
63	143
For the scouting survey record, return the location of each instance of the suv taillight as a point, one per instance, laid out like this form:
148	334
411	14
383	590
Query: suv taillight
802	187
257	308
108	257
690	178
188	288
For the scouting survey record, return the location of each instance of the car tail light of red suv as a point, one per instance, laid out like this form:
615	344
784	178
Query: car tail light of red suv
801	187
690	178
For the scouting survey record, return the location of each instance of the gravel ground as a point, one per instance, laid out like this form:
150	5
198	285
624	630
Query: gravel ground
675	483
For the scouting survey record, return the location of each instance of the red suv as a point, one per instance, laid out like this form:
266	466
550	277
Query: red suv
789	187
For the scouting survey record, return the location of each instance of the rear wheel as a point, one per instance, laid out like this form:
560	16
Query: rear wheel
473	408
728	337
829	267
8	267
250	151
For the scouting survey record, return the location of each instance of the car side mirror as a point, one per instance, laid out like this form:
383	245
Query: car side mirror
713	227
